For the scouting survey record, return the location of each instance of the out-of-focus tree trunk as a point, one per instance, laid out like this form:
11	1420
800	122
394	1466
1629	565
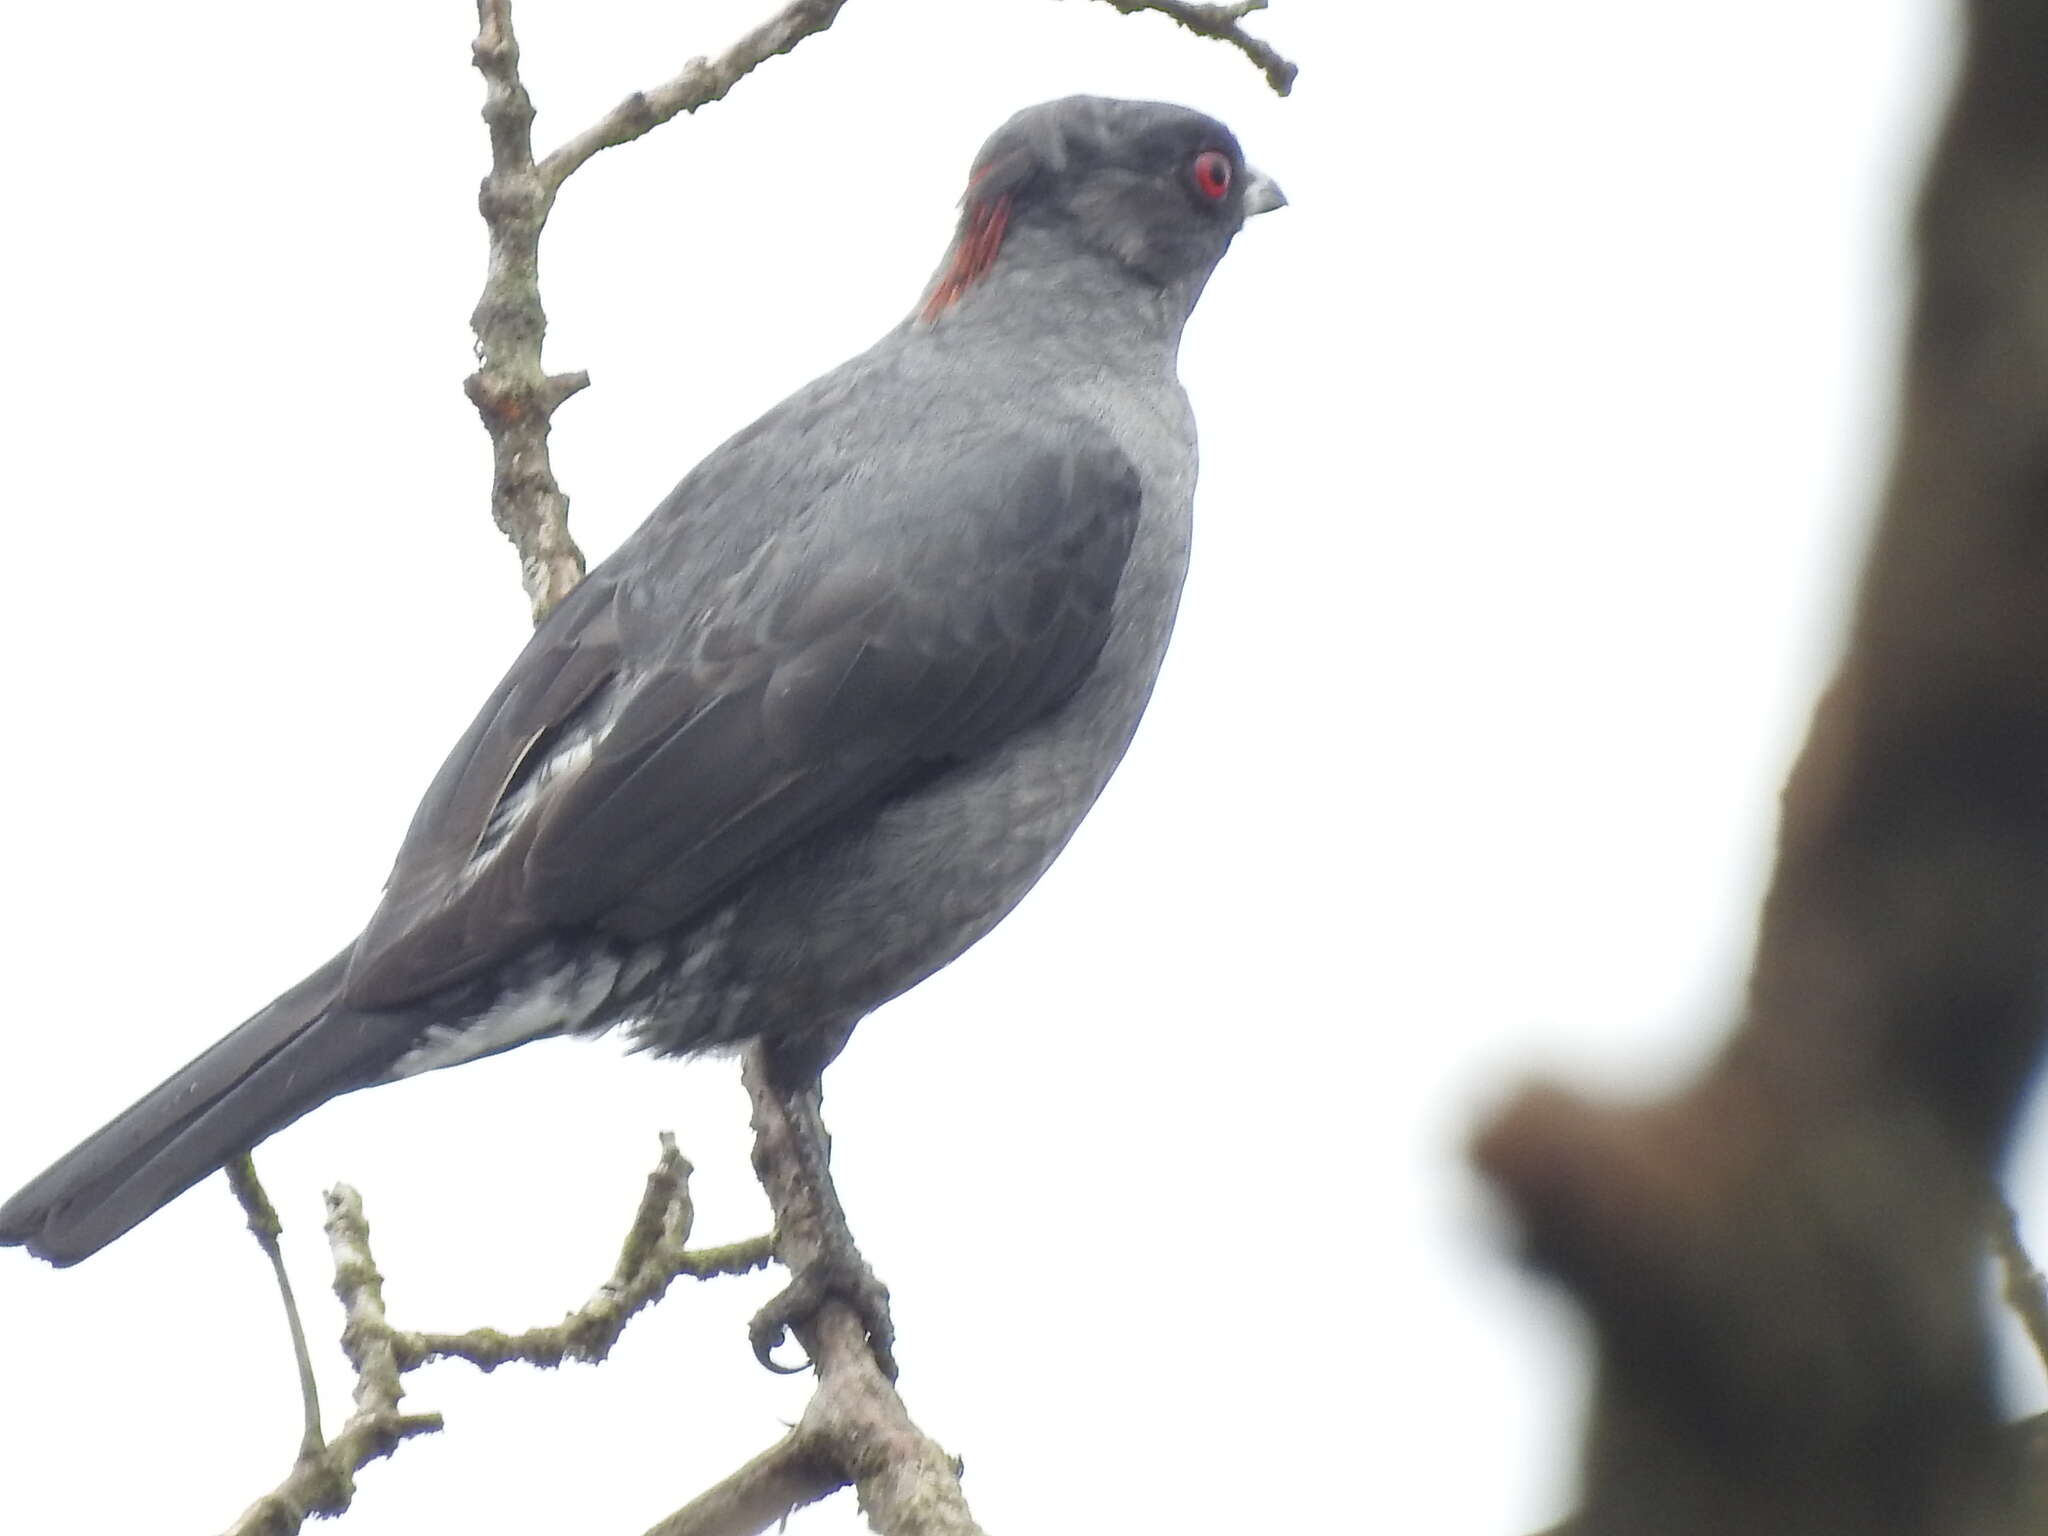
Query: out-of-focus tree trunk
1784	1260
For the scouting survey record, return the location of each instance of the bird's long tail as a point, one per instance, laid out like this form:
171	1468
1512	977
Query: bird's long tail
291	1057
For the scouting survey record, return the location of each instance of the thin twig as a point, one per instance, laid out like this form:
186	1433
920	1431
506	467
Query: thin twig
700	82
266	1228
1222	22
654	1255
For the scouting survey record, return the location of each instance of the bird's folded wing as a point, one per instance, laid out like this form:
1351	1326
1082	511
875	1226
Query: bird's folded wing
637	762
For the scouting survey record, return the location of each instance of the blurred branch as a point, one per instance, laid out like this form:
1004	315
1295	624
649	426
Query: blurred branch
2026	1289
322	1482
1782	1260
1224	23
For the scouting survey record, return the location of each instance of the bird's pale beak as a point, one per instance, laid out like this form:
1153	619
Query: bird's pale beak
1262	193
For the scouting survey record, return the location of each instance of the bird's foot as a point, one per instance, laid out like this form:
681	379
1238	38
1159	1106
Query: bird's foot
838	1274
793	1153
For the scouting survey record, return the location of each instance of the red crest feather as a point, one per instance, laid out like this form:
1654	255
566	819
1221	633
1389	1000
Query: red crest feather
981	230
981	236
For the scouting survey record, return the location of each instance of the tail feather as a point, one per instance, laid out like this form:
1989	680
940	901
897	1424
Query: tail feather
289	1058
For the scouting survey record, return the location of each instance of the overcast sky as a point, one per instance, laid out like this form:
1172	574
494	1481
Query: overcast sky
1538	437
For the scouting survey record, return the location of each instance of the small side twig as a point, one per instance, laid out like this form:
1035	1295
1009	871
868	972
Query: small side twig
266	1228
1224	23
653	1257
700	82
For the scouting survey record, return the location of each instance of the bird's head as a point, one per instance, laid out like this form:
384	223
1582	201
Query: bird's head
1157	189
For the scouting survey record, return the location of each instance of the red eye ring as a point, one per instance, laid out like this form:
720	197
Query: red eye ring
1212	174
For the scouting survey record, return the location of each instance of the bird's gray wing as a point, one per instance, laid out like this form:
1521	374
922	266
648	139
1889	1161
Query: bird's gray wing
639	760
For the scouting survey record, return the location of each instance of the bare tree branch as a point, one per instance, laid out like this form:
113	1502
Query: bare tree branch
1223	22
512	391
1783	1259
516	397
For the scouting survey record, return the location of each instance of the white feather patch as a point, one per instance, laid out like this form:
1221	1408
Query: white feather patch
558	1001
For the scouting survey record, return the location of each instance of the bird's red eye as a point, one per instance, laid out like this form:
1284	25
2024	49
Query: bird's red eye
1212	174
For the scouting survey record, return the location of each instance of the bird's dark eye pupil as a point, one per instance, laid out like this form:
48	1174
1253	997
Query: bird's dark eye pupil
1212	173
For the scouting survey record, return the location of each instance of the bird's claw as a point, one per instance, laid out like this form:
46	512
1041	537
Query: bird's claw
838	1277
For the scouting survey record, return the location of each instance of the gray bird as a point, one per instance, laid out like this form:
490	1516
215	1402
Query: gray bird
822	720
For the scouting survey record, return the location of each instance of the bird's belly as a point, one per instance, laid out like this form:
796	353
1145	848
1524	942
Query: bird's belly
847	920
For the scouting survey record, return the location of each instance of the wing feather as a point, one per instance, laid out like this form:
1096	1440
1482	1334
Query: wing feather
622	784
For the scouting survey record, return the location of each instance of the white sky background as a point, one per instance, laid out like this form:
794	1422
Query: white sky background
1537	438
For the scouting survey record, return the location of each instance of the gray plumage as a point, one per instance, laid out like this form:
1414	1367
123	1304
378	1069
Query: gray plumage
823	719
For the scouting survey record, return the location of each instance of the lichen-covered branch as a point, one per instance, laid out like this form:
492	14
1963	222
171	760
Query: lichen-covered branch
514	394
1225	24
1783	1260
654	1254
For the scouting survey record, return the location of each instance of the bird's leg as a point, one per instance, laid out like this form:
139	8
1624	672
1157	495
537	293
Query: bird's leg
793	1154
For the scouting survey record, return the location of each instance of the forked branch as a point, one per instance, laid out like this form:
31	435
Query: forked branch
654	1254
